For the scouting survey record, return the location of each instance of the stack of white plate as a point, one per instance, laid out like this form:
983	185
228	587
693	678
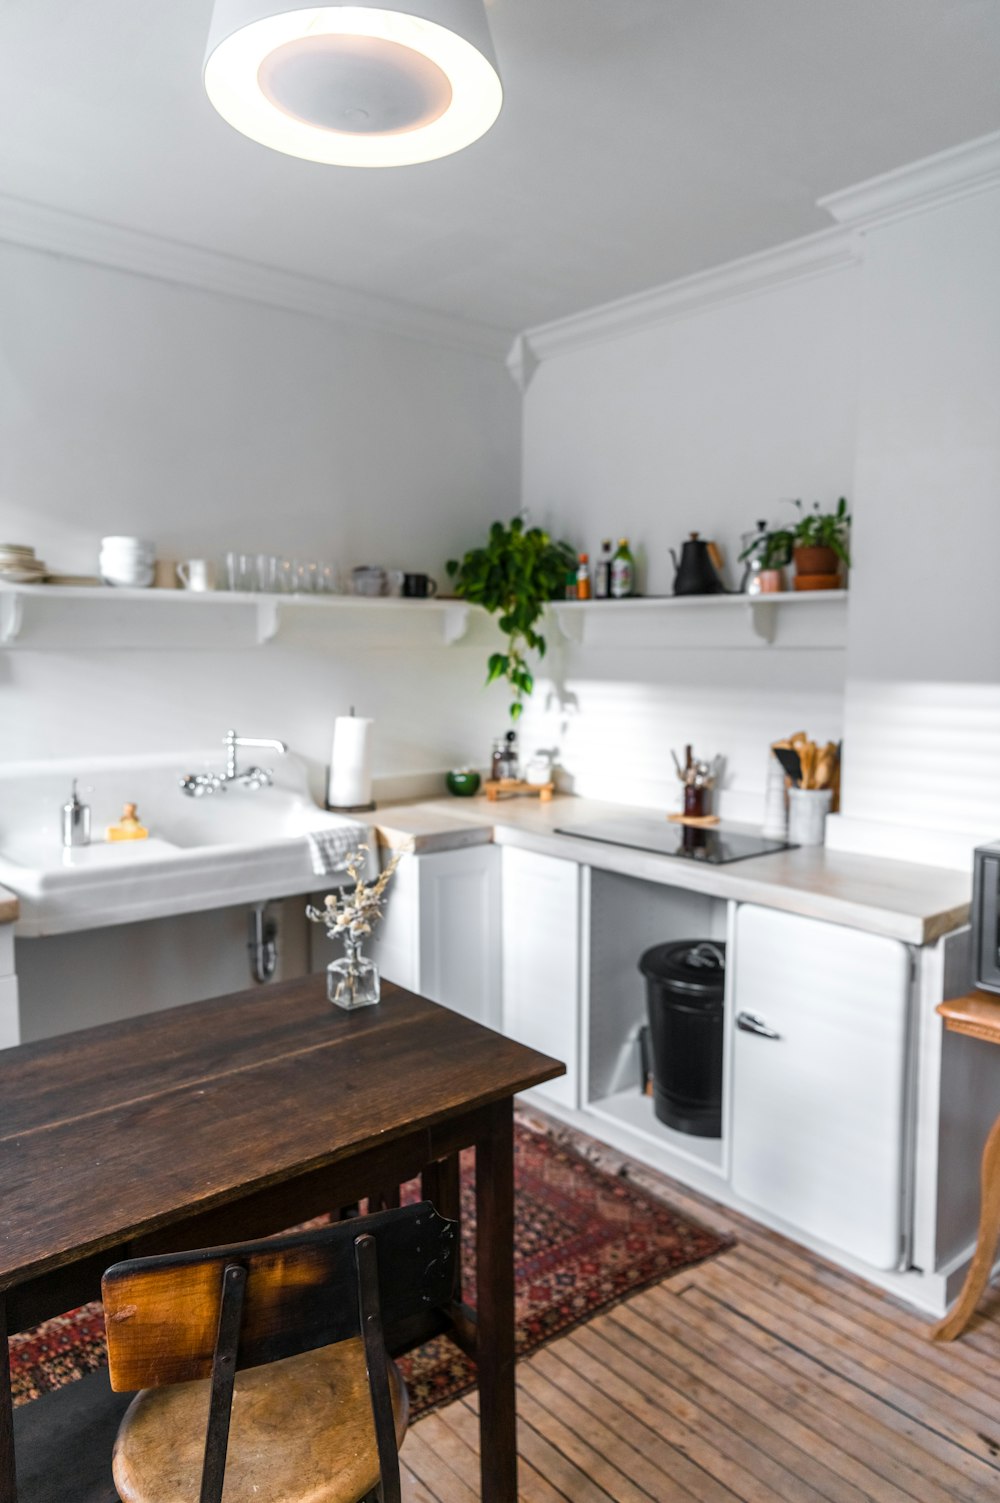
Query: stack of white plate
127	562
18	564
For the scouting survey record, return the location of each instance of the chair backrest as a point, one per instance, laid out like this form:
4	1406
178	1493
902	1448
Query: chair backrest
184	1316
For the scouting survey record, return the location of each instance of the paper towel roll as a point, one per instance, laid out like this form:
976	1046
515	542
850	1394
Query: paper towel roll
351	763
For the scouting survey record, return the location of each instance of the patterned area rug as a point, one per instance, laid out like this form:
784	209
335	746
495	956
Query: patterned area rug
585	1239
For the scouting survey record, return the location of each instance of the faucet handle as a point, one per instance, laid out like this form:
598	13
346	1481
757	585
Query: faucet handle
198	784
257	777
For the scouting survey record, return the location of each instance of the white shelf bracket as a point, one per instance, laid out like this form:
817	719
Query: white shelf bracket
268	620
572	623
11	617
762	619
456	623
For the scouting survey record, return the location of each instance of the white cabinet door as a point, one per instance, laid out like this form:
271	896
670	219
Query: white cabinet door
441	933
459	931
541	961
818	1122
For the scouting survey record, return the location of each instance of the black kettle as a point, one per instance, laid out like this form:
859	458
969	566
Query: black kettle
696	574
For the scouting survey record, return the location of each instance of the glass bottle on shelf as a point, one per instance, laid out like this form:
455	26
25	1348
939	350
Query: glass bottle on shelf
602	572
622	572
583	577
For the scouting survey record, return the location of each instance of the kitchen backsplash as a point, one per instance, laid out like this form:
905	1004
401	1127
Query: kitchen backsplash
614	717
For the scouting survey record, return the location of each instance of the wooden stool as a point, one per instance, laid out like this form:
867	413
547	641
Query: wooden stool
978	1016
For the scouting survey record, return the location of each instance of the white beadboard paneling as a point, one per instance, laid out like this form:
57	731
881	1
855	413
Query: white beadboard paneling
612	718
921	772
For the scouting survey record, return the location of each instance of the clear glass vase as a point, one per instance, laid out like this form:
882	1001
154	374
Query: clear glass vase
352	981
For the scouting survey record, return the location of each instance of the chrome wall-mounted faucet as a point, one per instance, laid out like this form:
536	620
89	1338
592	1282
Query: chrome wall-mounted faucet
198	784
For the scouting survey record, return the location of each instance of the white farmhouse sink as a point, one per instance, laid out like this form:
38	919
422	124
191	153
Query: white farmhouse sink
240	846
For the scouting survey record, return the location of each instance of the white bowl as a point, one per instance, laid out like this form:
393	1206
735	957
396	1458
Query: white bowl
128	579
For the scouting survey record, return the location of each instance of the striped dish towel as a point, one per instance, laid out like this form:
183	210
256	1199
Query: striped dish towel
330	848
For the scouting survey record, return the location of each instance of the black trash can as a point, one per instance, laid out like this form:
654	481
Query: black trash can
685	986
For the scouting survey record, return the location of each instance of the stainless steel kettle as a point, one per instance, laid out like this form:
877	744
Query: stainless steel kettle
696	573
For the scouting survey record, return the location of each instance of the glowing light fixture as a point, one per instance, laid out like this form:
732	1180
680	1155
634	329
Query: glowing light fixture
359	85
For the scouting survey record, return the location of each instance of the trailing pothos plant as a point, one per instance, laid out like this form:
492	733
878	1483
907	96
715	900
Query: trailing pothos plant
514	576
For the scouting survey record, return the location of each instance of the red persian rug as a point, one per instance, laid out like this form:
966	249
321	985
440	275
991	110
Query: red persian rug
584	1240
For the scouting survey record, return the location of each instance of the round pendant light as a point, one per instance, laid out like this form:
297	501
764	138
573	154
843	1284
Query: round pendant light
359	85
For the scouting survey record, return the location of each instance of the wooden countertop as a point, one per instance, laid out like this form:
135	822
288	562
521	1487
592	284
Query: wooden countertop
9	908
898	899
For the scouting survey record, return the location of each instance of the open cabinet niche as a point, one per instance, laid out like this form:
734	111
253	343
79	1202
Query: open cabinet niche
627	917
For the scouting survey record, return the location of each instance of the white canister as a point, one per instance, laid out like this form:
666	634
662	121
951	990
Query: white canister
807	811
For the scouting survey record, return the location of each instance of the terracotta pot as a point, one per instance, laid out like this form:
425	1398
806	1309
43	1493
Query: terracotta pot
772	581
816	561
817	581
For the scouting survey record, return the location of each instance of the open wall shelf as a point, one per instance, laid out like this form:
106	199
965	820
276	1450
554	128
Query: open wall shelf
802	618
63	617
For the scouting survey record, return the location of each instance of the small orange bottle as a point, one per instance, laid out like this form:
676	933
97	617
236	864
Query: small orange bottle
583	577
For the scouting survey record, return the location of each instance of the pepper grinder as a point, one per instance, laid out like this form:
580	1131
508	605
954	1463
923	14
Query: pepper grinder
75	821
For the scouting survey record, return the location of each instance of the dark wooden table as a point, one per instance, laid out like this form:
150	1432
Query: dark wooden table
240	1117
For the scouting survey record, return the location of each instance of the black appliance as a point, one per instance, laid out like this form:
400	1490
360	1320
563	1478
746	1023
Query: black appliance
715	845
685	987
986	917
695	573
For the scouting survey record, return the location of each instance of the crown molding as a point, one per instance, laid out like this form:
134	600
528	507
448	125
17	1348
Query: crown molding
814	255
61	233
973	167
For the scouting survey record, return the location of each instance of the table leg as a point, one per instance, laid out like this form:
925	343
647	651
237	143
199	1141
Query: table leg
495	1306
8	1478
986	1244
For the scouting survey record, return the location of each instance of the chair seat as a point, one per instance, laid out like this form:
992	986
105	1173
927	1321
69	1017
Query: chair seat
301	1432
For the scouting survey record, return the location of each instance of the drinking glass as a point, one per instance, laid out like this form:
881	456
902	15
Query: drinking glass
266	565
239	571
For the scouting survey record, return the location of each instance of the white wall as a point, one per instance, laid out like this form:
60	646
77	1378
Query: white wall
701	423
922	771
209	423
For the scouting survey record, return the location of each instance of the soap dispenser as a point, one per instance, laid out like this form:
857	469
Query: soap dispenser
75	821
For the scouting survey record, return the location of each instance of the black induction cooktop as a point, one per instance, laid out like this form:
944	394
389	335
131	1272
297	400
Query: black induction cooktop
716	846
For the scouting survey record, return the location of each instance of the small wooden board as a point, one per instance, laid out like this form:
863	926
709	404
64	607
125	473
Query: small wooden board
495	788
696	821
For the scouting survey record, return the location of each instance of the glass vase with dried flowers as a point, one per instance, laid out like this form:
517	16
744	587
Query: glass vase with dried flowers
350	916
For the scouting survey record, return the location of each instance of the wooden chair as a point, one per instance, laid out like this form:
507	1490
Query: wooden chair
264	1367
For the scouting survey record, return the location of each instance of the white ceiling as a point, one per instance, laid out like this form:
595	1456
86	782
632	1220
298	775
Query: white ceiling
640	140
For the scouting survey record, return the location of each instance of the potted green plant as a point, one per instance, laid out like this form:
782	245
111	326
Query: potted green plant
820	542
514	576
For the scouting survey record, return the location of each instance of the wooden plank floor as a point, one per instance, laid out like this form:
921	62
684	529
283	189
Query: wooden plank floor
765	1374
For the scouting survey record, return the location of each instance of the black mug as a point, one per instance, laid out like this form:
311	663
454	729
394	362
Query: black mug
419	586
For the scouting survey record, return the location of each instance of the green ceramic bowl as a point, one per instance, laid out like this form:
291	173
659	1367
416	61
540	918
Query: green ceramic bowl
463	782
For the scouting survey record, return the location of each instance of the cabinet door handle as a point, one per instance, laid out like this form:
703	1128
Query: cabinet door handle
749	1022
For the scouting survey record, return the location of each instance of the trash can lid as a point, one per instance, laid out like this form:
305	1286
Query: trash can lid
694	966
